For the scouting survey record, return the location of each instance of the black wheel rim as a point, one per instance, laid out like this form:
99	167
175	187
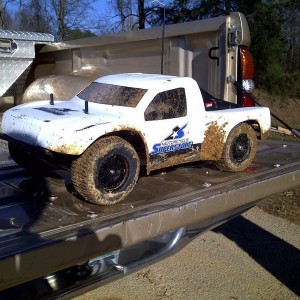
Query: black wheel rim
113	173
240	148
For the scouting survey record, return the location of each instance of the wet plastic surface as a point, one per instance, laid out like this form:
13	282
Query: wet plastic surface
42	220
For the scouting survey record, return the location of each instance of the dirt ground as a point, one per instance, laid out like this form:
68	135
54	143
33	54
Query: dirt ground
285	205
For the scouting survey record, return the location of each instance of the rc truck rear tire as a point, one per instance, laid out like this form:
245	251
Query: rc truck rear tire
107	171
239	149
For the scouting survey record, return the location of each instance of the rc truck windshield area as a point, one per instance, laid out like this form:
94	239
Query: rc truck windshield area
111	94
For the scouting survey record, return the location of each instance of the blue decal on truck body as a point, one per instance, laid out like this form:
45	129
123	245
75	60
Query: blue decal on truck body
173	142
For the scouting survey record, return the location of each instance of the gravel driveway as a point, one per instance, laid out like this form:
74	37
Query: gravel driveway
255	256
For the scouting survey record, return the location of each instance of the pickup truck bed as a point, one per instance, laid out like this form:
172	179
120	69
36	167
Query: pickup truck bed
44	228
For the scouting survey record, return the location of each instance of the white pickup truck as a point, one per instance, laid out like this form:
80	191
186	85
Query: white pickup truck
120	123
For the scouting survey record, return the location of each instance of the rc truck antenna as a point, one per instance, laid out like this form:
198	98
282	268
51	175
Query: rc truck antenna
86	107
51	99
162	36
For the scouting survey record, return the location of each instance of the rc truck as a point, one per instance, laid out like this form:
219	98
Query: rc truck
122	123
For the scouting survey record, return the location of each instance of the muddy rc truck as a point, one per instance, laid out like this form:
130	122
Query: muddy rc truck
122	122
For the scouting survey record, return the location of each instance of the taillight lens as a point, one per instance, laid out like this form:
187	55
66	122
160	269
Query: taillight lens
247	64
247	74
248	85
247	101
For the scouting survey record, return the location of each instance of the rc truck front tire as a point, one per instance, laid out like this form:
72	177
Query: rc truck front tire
107	171
239	149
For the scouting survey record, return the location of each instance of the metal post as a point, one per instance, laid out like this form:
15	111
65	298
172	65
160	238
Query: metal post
51	99
162	37
163	42
86	106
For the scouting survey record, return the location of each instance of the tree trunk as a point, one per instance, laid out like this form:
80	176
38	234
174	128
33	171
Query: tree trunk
1	15
142	14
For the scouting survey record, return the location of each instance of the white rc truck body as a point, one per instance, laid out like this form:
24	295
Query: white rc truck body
121	122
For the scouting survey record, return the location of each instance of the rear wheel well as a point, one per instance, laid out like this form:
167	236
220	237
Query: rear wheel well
255	125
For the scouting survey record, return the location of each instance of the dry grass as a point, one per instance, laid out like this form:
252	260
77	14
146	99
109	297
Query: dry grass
286	109
287	204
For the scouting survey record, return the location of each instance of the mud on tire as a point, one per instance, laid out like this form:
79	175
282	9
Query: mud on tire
239	149
107	171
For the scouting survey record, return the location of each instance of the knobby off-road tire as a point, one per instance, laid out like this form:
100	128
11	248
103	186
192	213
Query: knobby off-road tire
239	149
28	161
107	171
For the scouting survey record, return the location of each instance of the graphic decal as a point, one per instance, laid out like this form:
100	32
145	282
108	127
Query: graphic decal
174	142
55	111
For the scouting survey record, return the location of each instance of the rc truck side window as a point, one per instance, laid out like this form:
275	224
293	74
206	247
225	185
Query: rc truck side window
167	105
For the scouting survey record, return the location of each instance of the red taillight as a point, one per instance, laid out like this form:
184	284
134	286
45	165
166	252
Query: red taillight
247	64
247	101
246	77
209	104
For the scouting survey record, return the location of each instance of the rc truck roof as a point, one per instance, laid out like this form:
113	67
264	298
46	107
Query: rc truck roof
139	80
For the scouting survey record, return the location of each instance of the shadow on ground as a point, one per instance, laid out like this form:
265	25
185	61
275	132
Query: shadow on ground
275	255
